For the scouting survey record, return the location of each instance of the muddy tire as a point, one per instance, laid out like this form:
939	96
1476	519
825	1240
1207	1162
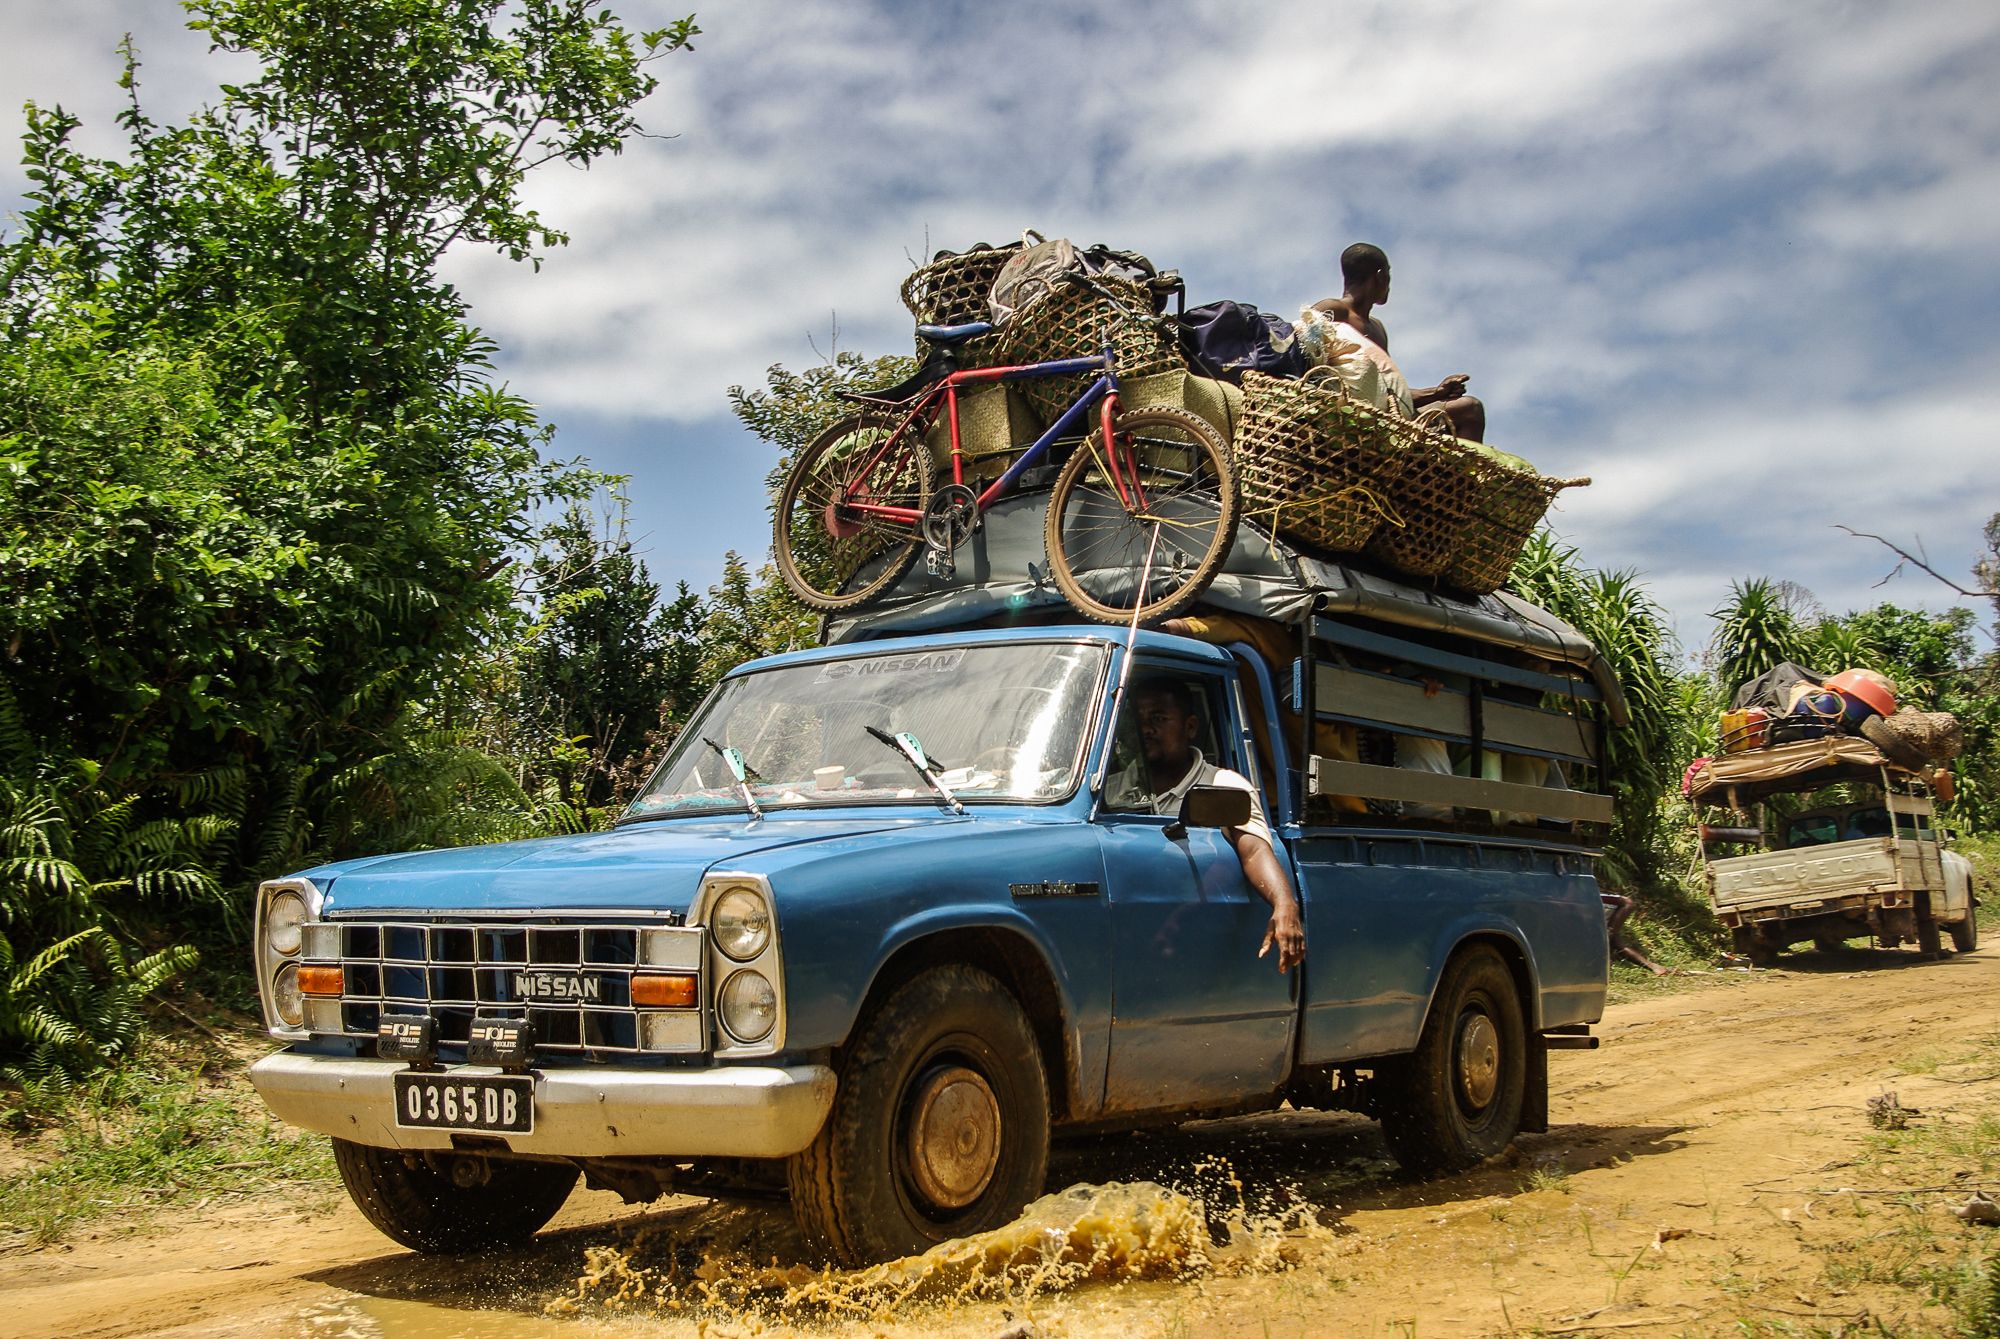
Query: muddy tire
939	1128
417	1203
1457	1099
1930	942
1965	933
1749	944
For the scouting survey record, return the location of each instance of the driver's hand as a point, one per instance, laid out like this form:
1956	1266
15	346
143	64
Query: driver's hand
1288	933
1453	386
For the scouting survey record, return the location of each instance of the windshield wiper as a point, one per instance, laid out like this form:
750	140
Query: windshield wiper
742	771
906	746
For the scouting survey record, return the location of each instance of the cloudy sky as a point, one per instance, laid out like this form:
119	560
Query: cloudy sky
1739	263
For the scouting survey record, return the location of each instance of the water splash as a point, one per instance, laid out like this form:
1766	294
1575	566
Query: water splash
1087	1234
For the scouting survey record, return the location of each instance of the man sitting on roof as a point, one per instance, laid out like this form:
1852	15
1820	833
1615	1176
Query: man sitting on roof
1364	269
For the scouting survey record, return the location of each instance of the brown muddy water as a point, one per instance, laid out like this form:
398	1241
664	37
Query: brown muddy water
1097	1253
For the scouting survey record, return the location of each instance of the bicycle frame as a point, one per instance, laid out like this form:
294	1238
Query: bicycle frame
1102	394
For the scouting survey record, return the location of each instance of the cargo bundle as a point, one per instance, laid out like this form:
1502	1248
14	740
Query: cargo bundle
1023	347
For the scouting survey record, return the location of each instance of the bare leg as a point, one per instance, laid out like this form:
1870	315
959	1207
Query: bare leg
1468	417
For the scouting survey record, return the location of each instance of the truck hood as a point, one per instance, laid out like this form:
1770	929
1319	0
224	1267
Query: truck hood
642	867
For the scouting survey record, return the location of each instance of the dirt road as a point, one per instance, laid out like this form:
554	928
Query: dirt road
1702	1170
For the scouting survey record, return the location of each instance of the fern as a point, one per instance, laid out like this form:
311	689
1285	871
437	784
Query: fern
71	847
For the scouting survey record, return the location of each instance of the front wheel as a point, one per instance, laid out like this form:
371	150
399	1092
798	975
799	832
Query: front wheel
450	1204
939	1128
1457	1099
1172	496
833	549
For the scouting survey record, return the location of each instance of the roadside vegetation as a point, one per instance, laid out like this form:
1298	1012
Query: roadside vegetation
1906	1193
171	1128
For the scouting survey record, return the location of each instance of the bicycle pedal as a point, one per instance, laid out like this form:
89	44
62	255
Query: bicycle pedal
939	565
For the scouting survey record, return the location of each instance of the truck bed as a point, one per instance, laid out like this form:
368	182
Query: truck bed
1867	867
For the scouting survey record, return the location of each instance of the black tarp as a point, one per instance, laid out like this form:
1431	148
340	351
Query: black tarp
1002	576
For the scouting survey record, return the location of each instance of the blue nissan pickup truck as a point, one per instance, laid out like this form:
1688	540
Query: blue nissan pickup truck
876	930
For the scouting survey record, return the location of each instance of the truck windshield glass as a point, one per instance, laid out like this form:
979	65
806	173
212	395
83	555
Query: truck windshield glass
999	722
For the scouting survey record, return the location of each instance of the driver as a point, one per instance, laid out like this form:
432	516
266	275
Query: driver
1169	766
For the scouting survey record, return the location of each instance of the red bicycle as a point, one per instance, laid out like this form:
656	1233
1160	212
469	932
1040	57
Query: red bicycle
1140	518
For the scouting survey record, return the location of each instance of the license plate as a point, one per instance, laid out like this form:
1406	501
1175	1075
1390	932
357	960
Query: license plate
490	1104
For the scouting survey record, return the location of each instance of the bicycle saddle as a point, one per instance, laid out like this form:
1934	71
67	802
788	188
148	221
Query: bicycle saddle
947	335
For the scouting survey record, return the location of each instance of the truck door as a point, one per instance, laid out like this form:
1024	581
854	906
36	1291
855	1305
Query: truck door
1197	1017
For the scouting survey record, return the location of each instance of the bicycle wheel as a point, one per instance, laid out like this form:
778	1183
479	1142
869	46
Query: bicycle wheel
1183	509
832	555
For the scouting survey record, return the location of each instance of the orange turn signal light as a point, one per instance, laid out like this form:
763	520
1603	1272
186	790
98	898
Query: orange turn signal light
320	981
653	990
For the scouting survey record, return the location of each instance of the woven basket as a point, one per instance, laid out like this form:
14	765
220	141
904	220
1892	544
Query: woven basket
1076	322
1432	497
953	289
1217	403
993	421
1314	465
1507	505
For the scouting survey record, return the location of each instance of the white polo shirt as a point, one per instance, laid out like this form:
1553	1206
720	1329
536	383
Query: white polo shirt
1128	791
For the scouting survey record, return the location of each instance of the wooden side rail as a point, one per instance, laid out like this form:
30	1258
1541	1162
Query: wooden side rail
1388	702
1334	776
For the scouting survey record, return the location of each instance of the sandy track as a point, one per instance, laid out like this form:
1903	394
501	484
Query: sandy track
1676	1193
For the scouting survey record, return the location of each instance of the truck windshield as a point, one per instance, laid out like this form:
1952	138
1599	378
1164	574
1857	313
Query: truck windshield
999	723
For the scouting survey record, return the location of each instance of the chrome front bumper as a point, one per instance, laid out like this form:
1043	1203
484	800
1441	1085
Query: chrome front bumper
741	1111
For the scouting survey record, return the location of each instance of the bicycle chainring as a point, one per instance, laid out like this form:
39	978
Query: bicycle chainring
950	517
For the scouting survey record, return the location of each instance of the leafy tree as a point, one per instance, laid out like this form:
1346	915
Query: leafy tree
792	408
1759	628
595	671
259	496
77	859
749	617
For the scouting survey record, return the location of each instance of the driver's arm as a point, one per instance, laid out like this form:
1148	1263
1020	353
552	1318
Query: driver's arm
1260	866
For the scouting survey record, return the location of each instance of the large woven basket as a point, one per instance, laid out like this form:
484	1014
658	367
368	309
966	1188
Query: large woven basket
1313	464
1217	403
1432	498
1507	504
1075	322
953	289
994	422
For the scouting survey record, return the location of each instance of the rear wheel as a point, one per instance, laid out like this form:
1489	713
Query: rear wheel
1457	1099
1177	502
1930	943
1751	944
451	1204
1965	934
831	551
939	1128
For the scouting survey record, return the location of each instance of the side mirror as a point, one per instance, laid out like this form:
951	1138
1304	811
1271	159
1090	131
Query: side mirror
1210	807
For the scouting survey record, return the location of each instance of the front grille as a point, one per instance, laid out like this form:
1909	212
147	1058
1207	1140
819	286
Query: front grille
452	970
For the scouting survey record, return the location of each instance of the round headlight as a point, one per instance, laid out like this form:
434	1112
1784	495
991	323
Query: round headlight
742	924
749	1006
285	996
284	923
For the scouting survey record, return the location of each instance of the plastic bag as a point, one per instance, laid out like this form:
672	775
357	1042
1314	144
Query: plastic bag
1037	270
